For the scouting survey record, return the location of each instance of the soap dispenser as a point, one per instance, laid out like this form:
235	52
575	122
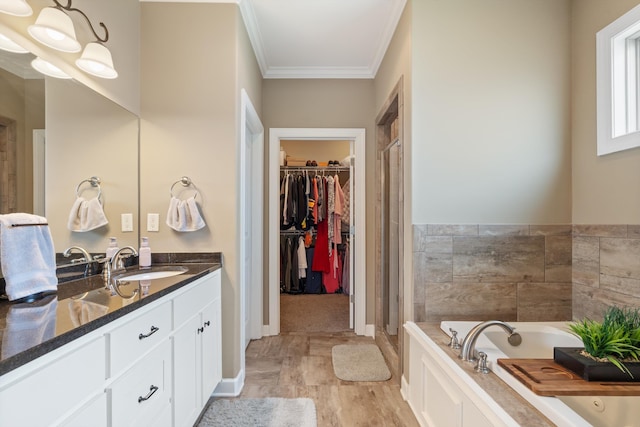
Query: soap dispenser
112	248
144	254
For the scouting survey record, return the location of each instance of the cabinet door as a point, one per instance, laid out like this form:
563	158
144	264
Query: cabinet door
211	349
94	414
186	372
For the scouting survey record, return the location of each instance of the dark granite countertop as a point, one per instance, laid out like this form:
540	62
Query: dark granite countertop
31	330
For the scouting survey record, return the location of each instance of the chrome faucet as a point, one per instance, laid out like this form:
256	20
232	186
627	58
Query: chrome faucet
116	261
469	343
87	256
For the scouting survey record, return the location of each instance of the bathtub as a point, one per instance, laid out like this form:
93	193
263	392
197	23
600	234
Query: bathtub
538	340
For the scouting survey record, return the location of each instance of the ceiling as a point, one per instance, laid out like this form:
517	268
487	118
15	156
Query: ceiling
318	38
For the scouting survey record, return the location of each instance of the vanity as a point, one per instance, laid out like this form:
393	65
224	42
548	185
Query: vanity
89	356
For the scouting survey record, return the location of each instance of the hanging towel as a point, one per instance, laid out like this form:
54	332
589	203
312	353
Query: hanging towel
183	215
27	256
29	324
86	215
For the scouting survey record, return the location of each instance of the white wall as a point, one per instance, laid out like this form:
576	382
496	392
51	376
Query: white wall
605	189
491	137
189	127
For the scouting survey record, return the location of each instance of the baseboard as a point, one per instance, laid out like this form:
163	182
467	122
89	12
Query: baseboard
404	388
370	331
266	331
230	387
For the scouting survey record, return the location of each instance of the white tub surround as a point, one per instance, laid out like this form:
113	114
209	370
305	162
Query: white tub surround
444	391
538	340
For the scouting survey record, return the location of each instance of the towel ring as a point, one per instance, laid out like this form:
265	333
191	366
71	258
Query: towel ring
94	181
186	182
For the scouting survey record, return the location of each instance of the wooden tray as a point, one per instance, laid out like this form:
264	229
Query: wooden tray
546	378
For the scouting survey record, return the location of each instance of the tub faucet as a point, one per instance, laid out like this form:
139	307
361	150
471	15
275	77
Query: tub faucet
469	343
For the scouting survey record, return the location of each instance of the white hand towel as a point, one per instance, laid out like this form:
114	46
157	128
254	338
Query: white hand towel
29	325
183	215
27	256
86	215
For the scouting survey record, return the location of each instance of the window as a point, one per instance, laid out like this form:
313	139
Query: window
618	84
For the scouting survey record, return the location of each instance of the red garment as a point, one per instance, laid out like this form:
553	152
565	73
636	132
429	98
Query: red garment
330	279
321	253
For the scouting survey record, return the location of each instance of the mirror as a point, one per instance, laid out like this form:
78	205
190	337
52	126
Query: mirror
85	135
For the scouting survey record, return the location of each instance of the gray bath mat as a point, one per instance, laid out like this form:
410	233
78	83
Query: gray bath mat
359	362
268	412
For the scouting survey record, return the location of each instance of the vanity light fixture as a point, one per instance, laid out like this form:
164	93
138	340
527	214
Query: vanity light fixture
54	28
49	69
10	46
96	60
15	7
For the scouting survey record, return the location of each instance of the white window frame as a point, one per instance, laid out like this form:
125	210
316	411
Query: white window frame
618	84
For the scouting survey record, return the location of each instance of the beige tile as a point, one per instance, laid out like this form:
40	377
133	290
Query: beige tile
470	301
453	229
558	258
550	230
633	231
498	259
420	233
432	267
586	261
620	261
264	371
591	302
419	312
503	230
544	302
599	230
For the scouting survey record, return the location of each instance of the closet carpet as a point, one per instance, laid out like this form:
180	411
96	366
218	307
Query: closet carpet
314	312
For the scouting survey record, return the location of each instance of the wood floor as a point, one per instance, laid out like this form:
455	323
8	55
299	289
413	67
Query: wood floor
298	364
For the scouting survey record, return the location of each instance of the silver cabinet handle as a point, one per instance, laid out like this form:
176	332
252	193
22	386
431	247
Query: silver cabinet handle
152	390
153	330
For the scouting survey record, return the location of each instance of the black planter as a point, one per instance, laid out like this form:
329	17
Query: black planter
592	370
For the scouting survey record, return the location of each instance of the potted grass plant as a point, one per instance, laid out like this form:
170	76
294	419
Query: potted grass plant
611	347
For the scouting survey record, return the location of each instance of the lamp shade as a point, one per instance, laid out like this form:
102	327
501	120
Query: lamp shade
49	69
54	28
15	7
10	46
96	60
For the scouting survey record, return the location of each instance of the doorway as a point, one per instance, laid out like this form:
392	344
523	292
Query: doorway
357	298
390	229
251	224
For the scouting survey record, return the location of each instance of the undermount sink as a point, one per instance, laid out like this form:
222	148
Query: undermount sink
151	273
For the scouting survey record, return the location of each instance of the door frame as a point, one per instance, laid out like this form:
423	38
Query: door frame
251	128
357	136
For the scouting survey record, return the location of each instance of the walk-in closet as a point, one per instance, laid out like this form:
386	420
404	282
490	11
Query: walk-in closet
315	235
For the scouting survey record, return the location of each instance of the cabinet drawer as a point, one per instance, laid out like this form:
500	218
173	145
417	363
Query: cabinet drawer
139	335
143	391
48	393
196	298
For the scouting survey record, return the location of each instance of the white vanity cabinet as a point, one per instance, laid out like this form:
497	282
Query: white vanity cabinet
196	349
155	366
55	385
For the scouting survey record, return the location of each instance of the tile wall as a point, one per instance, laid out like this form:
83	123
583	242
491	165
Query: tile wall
506	272
606	268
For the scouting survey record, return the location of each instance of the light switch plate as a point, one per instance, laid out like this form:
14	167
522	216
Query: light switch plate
127	222
153	222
